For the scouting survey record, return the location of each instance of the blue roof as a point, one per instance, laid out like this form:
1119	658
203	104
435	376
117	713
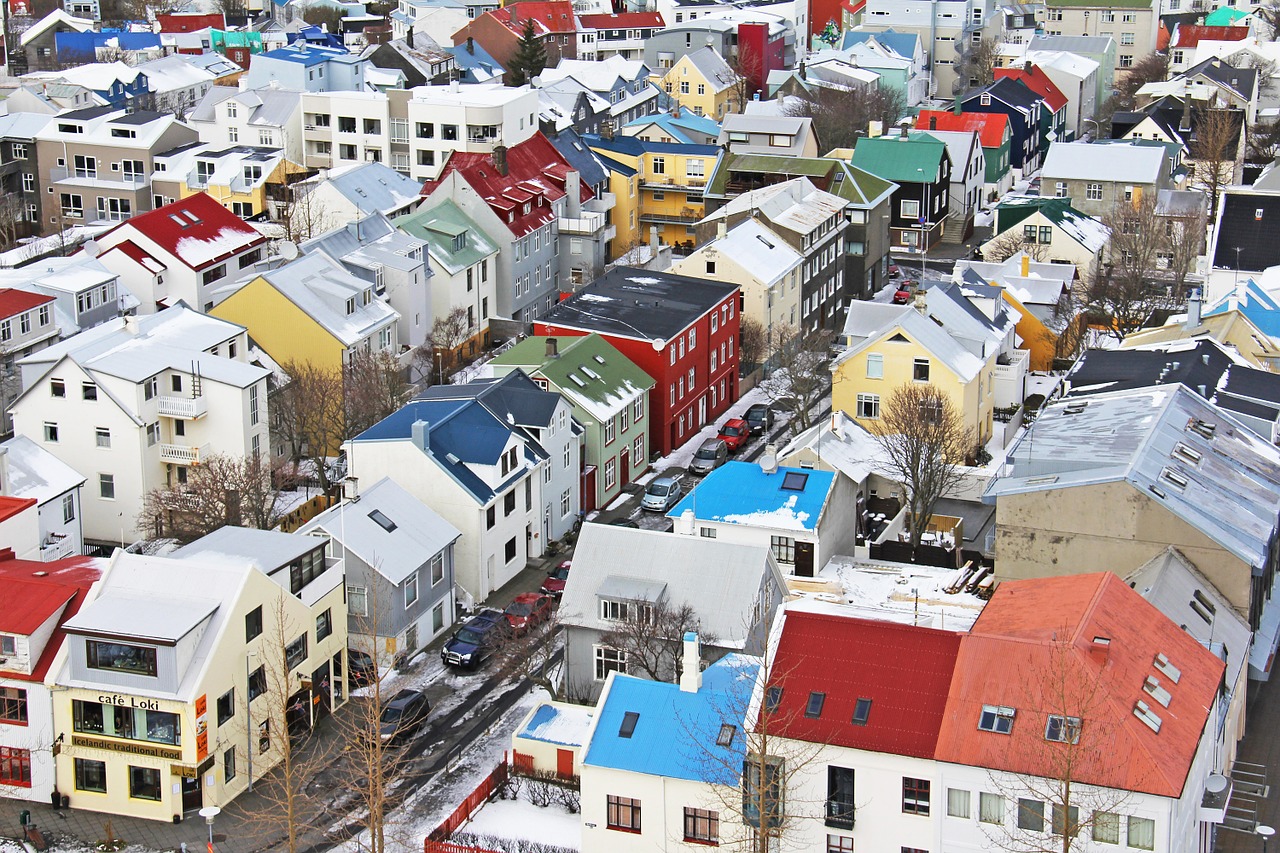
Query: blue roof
902	43
614	166
742	493
676	732
311	55
559	725
635	146
476	57
678	127
1260	307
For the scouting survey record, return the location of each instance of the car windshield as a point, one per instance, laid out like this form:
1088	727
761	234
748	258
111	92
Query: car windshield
658	490
520	608
731	431
391	715
561	574
706	453
466	635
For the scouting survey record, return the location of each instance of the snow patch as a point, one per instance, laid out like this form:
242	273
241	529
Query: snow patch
195	251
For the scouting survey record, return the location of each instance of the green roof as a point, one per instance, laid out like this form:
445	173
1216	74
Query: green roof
589	371
893	159
1224	16
439	226
223	39
857	186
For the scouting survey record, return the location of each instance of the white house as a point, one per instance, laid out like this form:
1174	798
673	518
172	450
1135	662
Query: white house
29	472
270	117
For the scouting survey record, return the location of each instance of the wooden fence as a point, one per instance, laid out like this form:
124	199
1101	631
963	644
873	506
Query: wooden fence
437	841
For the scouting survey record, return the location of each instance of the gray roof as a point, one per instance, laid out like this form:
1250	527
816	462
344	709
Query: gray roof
270	107
512	399
712	67
418	536
36	473
1118	163
23	125
375	186
1231	493
264	550
720	580
369	241
1073	44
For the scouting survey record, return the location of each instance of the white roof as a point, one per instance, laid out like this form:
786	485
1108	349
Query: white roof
467	94
842	443
597	76
173	72
36	473
922	329
795	204
758	250
1068	63
1119	163
55	17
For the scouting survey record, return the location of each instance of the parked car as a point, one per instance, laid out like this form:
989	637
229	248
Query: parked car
554	584
894	271
759	417
662	494
902	296
1034	186
735	433
528	610
407	710
361	671
477	640
711	455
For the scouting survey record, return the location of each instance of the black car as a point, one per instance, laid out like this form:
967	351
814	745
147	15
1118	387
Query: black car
402	715
477	640
360	669
759	417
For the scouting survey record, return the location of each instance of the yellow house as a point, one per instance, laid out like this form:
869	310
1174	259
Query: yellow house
657	184
1230	328
241	179
703	83
894	345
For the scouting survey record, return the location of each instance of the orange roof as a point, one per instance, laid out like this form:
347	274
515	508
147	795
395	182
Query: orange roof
1037	648
1190	35
9	507
1034	78
991	127
554	16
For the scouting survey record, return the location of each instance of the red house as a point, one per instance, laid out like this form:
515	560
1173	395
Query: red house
189	22
681	331
498	31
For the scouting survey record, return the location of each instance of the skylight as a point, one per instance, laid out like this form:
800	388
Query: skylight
598	359
772	699
861	711
997	718
1175	477
1062	729
1167	669
1152	687
814	706
727	732
382	521
1187	453
1143	712
1203	607
794	481
628	727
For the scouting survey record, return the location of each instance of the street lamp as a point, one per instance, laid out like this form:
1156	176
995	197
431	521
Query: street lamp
1266	832
1097	128
209	813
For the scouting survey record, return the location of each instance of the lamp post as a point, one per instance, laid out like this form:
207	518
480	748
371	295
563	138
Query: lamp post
1266	832
209	813
1097	128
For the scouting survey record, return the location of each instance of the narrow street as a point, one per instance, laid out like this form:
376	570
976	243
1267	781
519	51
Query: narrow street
1259	746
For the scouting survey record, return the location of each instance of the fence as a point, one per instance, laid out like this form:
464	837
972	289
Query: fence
304	513
436	841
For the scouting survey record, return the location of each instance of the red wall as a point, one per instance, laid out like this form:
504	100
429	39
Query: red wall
190	23
762	54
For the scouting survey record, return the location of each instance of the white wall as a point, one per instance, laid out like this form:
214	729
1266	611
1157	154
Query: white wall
662	804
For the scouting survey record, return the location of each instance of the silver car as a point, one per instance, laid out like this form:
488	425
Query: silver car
663	493
711	455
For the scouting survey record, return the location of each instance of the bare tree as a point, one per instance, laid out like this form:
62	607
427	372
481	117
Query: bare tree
448	333
13	222
799	361
1268	12
222	490
1121	294
1152	68
979	63
1215	145
841	115
651	636
925	442
301	214
1011	243
752	343
307	415
1184	242
374	386
532	653
745	77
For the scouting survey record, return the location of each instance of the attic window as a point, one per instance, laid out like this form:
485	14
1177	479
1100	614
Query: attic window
861	711
598	359
178	219
195	220
1187	453
380	519
1153	688
459	241
1062	729
763	240
814	706
727	732
996	718
1202	606
576	381
794	481
628	727
589	372
1166	668
985	99
1257	214
1143	712
1175	477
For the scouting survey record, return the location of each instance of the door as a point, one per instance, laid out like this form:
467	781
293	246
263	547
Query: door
625	464
192	794
804	559
321	697
564	763
411	639
702	412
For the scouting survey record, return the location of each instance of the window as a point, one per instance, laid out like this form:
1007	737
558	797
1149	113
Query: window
13	705
226	706
609	660
762	778
869	406
1142	833
1126	38
1126	60
89	390
411	591
324	625
784	549
957	803
623	814
358	600
72	205
1106	827
253	623
296	652
861	712
996	718
91	775
144	783
510	549
253	404
609	431
990	808
102	436
701	825
875	366
229	764
840	805
610	473
915	796
437	568
1066	823
1030	815
1046	234
264	736
659	165
1062	729
509	503
257	683
910	208
839	844
57	388
813	708
565	503
920	370
120	657
51	432
490	517
68	509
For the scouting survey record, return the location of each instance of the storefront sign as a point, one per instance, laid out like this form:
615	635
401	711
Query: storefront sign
130	702
131	748
202	728
183	770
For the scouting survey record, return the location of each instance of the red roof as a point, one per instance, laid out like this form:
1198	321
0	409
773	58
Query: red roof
14	302
1034	78
196	230
555	16
188	22
536	174
1190	35
903	669
1081	646
9	507
34	591
140	256
991	127
633	20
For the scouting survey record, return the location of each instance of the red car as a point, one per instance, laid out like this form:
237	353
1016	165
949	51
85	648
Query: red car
528	609
554	584
735	433
901	296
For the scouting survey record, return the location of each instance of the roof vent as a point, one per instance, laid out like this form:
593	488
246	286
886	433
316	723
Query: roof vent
1143	712
453	459
1167	669
41	574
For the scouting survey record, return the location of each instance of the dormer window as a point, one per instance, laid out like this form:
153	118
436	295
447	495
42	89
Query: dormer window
366	297
120	657
459	241
8	645
351	305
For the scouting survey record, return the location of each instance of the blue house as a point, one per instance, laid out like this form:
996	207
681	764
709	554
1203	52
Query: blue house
1257	305
804	515
1023	107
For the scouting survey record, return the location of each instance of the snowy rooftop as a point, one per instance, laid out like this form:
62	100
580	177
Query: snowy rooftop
559	723
892	592
743	493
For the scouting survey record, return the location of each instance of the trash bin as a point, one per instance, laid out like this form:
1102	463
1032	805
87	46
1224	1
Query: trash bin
24	817
55	799
66	801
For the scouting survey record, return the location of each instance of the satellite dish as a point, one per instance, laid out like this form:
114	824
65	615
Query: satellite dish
91	248
1216	783
658	344
287	249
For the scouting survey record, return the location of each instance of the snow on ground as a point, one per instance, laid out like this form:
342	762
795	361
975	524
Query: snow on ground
683	455
522	819
1043	383
900	592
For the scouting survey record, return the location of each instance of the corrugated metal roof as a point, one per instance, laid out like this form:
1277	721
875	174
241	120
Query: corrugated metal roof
742	493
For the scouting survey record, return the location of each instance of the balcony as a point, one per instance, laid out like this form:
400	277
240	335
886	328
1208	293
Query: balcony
587	222
97	177
840	815
684	217
57	549
183	454
183	408
318	161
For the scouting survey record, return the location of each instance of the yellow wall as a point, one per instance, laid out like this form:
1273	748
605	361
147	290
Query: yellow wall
1037	338
281	328
626	213
647	185
713	104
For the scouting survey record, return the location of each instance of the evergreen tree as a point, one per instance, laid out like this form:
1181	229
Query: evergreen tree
529	59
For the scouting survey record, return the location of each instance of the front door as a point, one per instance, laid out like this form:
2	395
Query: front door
625	464
564	763
411	639
192	794
321	698
804	559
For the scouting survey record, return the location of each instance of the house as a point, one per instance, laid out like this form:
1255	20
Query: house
703	83
304	67
20	164
624	83
968	177
734	595
1095	185
244	179
1133	24
176	84
398	555
181	658
498	31
943	35
463	262
1072	236
467	451
311	310
921	167
430	21
42	596
1053	117
180	252
1101	49
1254	302
124	143
266	117
1182	469
27	324
134	402
29	472
38	42
1037	293
1023	108
681	331
552	739
85	293
826	70
993	134
1231	327
1186	37
801	514
568	105
1242	238
609	395
1075	76
675	126
419	58
351	192
788	136
624	34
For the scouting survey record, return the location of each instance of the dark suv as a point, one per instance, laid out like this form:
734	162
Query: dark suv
407	710
473	643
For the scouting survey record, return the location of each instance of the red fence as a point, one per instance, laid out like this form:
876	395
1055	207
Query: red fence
436	841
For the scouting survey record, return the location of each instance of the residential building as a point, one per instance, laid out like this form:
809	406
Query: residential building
830	70
1072	237
267	117
1133	25
435	20
624	83
464	267
789	136
498	31
703	83
244	179
1023	108
42	596
681	37
921	167
29	472
1100	49
968	178
1095	185
1186	37
27	324
134	402
1053	115
20	170
177	665
398	555
609	395
497	459
947	32
176	84
675	126
180	252
1075	76
681	331
1231	327
733	595
304	67
624	34
353	192
1037	293
85	292
420	59
98	163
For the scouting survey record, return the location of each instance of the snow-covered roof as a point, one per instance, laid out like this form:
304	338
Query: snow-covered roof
757	250
598	76
57	16
840	442
34	472
1119	163
174	72
796	204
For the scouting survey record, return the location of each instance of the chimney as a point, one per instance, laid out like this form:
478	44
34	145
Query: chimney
691	664
408	36
722	228
471	45
421	434
1026	265
933	122
500	159
454	85
1193	308
675	109
131	324
573	194
1184	125
1100	648
351	489
553	348
921	302
653	239
685	525
902	132
803	71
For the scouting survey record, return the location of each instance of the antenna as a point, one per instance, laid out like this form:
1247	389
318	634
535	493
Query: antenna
287	249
